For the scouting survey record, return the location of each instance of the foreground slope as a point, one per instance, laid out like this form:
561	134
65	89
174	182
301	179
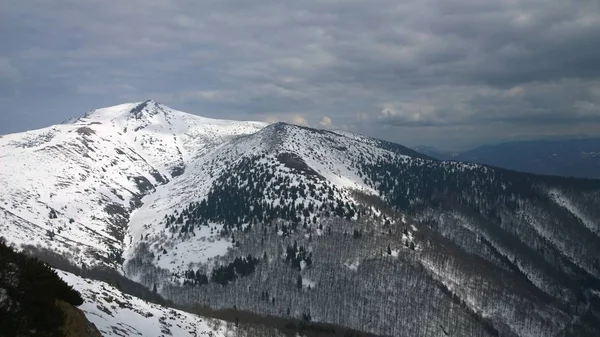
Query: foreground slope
117	314
34	301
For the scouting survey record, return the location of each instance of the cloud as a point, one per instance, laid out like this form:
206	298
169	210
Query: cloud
408	113
205	95
8	72
325	122
441	66
104	89
292	118
298	120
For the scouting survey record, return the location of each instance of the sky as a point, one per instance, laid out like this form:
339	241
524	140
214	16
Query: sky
446	73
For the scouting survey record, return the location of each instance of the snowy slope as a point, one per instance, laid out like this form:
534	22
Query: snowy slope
117	314
333	160
72	187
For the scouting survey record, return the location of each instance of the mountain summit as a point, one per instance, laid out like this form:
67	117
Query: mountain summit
290	221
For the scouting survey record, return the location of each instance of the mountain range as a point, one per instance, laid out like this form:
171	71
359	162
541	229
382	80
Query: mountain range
578	157
322	226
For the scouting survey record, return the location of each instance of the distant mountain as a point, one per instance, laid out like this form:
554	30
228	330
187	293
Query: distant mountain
435	153
570	157
321	226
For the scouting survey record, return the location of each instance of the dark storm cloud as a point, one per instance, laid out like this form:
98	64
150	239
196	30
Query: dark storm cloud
427	71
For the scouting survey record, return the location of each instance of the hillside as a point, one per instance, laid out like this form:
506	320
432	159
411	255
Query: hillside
119	314
316	225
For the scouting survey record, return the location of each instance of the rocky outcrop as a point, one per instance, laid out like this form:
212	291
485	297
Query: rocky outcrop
76	324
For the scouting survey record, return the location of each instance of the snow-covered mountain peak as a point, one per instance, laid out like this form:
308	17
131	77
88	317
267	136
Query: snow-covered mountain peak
139	115
112	112
169	139
72	187
136	116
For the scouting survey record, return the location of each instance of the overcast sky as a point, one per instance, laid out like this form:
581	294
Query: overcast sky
447	73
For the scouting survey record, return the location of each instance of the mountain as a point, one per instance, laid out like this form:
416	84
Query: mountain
321	226
565	157
73	186
436	153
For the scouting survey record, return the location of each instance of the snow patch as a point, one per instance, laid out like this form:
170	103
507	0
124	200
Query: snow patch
352	265
564	202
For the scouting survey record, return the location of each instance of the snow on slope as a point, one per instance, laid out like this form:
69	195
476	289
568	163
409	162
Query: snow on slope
117	314
333	157
70	184
564	202
168	138
72	187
